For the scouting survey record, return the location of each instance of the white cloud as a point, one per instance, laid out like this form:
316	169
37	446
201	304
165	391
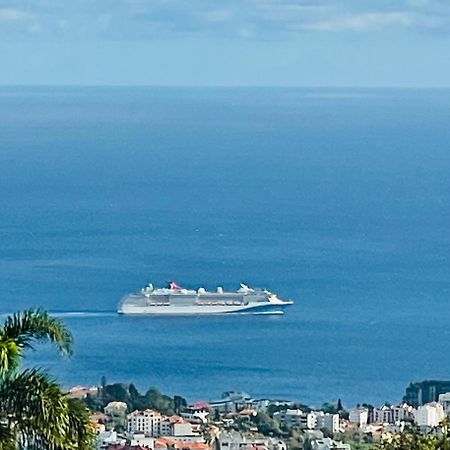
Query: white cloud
145	19
286	10
14	15
361	22
17	20
279	16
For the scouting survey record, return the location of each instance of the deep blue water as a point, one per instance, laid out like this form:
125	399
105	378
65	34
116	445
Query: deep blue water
338	199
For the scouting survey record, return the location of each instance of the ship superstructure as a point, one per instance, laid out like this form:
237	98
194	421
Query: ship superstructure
175	300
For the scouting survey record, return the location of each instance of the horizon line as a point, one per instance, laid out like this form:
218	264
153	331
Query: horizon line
219	86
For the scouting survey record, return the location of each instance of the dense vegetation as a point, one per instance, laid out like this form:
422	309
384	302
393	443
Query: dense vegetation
128	394
412	439
35	413
262	422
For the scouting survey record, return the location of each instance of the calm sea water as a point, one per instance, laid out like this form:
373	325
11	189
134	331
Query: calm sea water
338	199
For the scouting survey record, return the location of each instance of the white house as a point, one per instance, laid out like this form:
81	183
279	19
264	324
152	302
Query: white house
235	401
326	421
310	421
232	401
107	438
383	415
444	400
359	416
429	415
329	444
403	412
140	439
82	391
115	409
233	440
177	426
393	414
147	422
296	417
199	416
289	418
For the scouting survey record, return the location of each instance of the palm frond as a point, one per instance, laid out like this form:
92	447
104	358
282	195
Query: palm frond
38	409
9	356
80	426
7	441
29	326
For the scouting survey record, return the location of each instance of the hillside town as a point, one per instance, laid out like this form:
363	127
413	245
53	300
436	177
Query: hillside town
237	421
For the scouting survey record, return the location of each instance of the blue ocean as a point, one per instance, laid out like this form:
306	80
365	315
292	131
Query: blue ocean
338	199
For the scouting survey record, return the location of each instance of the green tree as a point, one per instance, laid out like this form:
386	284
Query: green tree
118	392
444	441
410	439
180	404
128	393
162	403
134	393
266	425
330	408
295	439
34	412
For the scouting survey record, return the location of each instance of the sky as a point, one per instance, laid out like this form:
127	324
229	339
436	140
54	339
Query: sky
399	43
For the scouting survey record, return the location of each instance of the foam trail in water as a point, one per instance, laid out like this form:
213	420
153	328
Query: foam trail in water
87	314
92	314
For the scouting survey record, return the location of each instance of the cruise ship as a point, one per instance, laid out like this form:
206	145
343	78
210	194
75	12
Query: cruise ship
177	301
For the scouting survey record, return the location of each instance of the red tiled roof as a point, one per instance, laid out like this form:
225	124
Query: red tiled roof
201	405
167	441
126	447
192	445
163	442
177	419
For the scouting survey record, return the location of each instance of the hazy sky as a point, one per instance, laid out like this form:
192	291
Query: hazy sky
234	42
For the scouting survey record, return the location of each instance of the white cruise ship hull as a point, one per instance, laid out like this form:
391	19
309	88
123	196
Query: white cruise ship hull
201	310
176	301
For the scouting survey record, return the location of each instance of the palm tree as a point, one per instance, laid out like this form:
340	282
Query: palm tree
35	413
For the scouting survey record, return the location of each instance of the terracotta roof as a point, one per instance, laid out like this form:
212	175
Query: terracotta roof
126	447
98	416
192	445
201	405
197	445
137	412
167	441
164	442
248	412
259	447
177	419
